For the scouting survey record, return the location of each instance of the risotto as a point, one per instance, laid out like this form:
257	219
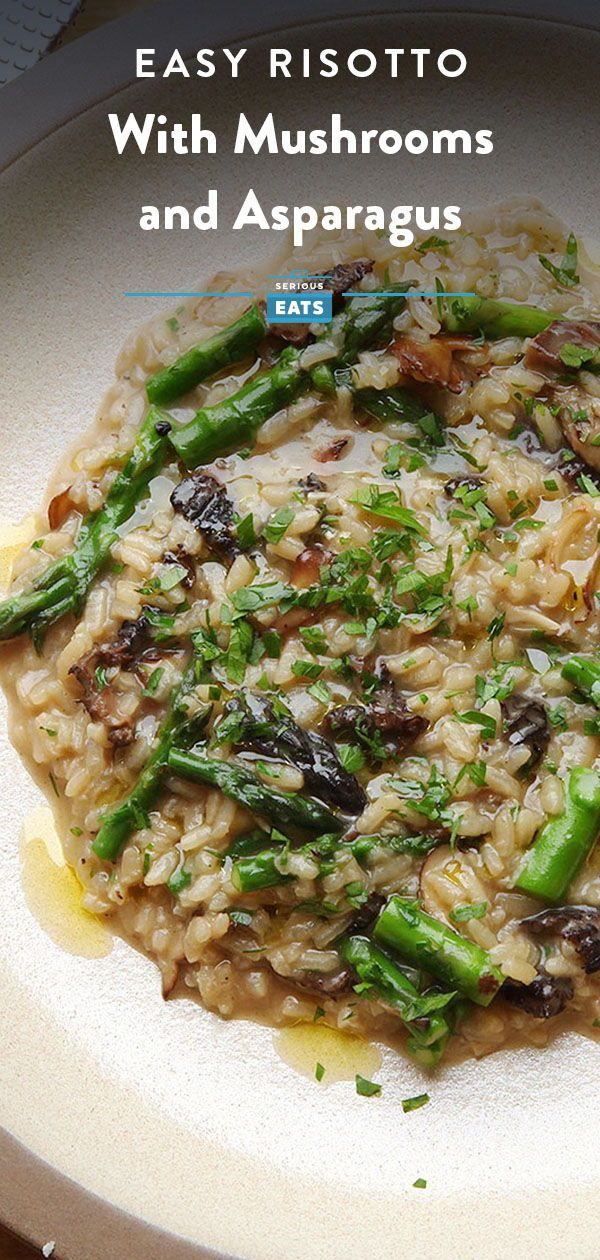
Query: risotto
307	651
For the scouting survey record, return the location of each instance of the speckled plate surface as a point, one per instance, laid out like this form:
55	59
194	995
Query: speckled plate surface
123	1116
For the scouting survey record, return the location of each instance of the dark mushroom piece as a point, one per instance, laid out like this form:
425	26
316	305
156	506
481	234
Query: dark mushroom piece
579	925
265	729
462	483
132	644
204	502
526	724
329	983
365	915
387	721
60	507
573	469
311	484
306	569
545	997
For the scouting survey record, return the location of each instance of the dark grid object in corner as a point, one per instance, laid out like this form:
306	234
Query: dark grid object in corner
27	30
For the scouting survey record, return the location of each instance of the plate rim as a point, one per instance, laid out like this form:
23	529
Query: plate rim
40	102
91	69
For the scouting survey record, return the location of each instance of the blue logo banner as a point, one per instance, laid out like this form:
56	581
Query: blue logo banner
300	308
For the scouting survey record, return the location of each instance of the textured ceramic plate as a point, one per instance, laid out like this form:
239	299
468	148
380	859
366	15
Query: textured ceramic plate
125	1116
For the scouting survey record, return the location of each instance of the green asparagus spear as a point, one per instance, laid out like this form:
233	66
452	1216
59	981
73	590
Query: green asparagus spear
129	816
584	673
285	809
495	319
429	944
214	430
563	843
362	322
63	585
422	1014
235	421
258	870
393	404
230	345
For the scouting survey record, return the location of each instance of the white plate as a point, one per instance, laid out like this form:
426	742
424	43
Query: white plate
150	1116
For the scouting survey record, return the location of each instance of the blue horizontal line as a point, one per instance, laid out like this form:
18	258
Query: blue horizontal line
179	293
184	293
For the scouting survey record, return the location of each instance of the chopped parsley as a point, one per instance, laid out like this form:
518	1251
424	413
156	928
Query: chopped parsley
367	1089
245	532
473	717
565	272
462	914
576	356
277	523
100	678
241	918
413	1104
351	757
432	242
152	685
387	504
179	880
238	651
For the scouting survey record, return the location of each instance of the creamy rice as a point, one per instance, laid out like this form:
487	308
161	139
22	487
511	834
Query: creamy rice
515	594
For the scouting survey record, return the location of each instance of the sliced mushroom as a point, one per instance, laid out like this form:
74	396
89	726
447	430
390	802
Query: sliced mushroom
543	353
97	704
332	984
306	570
579	417
59	508
526	724
579	925
133	643
334	451
577	412
431	362
204	502
545	997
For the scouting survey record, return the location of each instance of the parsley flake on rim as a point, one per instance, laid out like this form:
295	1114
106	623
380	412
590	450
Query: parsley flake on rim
367	1089
413	1104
